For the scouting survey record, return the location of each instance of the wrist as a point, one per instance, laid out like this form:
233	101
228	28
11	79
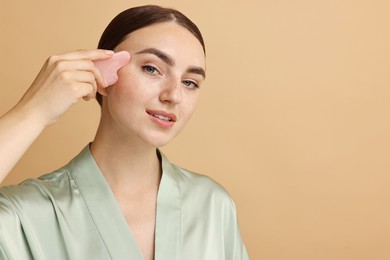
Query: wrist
31	118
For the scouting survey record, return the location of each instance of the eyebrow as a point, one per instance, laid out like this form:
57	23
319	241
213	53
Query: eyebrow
163	56
197	70
170	61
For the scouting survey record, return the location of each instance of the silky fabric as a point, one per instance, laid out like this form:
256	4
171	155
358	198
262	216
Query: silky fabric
72	214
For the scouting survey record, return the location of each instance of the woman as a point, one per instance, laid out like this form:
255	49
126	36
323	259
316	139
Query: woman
120	198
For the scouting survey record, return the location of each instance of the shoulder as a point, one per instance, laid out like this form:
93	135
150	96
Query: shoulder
204	190
199	181
30	193
28	206
58	184
206	205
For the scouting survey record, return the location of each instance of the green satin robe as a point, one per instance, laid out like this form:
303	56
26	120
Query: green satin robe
72	214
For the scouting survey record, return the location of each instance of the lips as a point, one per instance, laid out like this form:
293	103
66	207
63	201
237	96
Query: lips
162	118
162	115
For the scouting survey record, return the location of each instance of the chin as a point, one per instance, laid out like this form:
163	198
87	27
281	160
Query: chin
159	143
158	137
159	140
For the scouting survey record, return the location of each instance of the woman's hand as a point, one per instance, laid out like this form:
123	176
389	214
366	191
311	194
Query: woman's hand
62	81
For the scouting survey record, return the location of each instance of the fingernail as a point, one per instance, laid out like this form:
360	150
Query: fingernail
110	52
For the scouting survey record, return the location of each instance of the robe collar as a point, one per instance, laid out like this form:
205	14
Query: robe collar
109	220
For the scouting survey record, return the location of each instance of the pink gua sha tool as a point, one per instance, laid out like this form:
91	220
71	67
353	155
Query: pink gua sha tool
109	67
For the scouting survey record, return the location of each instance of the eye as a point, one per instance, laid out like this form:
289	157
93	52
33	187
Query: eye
190	84
150	69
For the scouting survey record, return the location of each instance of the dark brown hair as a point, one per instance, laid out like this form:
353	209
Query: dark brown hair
139	17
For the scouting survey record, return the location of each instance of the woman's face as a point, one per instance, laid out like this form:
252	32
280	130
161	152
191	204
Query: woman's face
157	91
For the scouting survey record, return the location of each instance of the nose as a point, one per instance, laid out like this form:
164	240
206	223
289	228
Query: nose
172	92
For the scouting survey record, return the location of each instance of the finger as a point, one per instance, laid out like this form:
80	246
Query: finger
82	55
76	84
80	65
88	65
98	75
85	77
86	90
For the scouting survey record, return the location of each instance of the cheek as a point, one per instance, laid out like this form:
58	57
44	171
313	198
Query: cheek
190	104
133	82
128	86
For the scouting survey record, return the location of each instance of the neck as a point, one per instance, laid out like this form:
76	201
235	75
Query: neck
127	165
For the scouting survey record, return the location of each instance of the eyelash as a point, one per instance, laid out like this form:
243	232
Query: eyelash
190	82
147	69
186	83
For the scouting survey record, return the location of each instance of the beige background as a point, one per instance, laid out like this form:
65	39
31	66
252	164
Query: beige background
293	118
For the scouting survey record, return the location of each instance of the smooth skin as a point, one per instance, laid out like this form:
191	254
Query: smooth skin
166	68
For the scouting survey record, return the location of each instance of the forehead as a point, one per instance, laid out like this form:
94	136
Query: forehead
169	37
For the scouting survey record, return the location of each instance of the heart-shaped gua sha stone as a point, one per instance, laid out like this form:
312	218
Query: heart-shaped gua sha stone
109	67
